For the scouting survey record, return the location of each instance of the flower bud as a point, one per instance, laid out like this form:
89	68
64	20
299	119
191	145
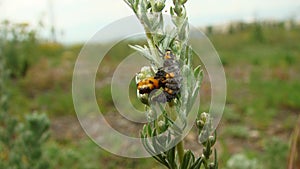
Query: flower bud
212	140
144	73
200	124
178	10
159	6
176	46
162	125
182	2
204	116
211	166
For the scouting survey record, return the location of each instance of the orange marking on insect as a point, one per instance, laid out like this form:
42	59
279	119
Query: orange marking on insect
147	85
170	75
170	91
168	55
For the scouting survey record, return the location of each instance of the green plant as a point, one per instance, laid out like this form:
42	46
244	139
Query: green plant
162	136
258	34
21	144
19	47
241	161
276	152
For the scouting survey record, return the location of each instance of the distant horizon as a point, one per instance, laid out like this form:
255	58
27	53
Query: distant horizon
218	26
77	21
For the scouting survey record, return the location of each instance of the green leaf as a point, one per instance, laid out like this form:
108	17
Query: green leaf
172	11
143	51
197	71
169	39
149	132
183	31
171	158
215	158
144	131
215	138
148	147
173	126
156	145
162	160
207	152
188	160
188	55
158	157
197	164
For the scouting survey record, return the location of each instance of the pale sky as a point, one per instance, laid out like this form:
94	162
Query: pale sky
78	20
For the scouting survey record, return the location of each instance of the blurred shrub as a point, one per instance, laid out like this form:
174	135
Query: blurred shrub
209	30
19	43
51	49
231	29
241	161
276	152
257	33
84	155
237	131
21	144
241	26
44	76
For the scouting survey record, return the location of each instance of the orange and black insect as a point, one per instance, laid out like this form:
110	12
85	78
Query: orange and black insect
167	77
148	84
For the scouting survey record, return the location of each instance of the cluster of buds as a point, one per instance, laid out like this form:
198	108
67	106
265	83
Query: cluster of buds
204	125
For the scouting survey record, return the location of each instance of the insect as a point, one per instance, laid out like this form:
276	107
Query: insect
167	77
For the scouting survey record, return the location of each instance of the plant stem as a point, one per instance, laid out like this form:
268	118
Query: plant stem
180	147
180	151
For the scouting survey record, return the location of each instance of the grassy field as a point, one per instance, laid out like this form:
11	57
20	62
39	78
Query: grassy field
261	63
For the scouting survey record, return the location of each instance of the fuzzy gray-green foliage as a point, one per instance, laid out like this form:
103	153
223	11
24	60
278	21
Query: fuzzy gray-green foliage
161	133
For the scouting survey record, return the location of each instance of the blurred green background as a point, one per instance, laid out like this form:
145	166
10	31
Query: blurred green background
261	61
